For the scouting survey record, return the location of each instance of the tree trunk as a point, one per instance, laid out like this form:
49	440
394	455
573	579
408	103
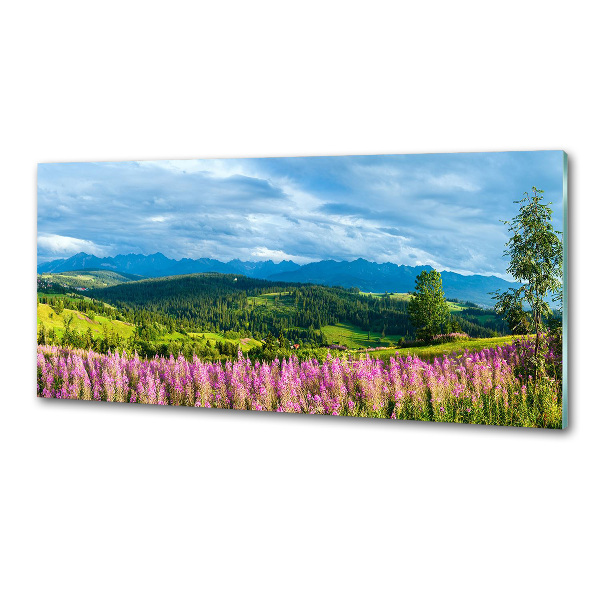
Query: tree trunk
536	348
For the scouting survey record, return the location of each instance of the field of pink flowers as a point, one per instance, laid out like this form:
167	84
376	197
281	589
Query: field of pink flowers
486	387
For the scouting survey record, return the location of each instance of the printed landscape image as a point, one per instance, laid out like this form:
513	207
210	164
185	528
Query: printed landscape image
421	287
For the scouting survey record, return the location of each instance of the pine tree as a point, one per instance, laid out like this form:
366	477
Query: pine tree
282	341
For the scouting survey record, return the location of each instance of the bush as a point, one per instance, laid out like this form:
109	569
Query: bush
444	338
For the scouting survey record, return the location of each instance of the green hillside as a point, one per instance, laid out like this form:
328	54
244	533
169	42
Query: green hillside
212	315
252	307
88	279
245	343
354	337
80	322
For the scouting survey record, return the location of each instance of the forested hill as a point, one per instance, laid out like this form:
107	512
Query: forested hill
217	302
88	279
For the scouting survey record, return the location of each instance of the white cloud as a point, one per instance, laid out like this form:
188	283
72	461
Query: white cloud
264	253
450	181
213	167
64	246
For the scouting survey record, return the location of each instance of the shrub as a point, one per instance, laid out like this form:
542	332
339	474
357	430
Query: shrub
444	338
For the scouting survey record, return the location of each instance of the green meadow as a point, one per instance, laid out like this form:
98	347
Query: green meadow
432	351
80	322
245	343
353	337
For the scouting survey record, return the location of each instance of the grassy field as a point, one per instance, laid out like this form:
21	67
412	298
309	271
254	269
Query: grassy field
272	299
277	303
354	337
47	316
394	296
485	319
246	345
429	352
455	306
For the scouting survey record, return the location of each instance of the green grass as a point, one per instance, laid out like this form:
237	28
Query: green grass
273	301
354	337
271	297
393	295
167	337
429	352
456	306
48	317
63	296
246	345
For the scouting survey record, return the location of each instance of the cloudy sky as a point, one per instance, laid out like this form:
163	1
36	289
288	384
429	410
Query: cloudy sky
438	209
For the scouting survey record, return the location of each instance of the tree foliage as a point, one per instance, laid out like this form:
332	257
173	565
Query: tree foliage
427	309
535	251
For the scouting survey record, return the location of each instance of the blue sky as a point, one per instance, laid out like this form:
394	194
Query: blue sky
438	209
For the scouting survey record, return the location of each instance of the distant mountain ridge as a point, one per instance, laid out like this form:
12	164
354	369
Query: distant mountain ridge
363	274
389	277
158	265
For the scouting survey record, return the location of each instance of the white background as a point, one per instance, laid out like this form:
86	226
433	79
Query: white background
146	502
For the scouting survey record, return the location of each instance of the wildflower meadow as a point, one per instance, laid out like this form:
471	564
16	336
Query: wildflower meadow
492	386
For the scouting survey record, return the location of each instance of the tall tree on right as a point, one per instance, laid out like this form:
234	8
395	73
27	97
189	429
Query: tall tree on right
535	251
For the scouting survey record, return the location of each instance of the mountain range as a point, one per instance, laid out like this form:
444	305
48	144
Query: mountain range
363	274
